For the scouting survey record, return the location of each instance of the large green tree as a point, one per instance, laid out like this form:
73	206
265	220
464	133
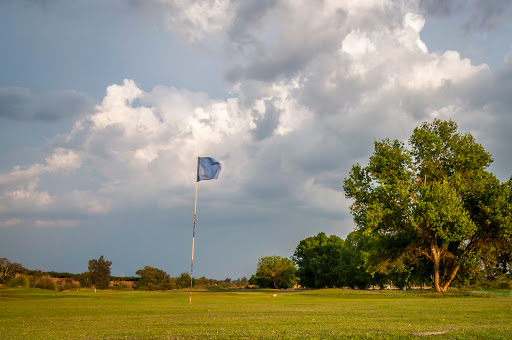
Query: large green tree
316	258
9	269
99	273
433	200
153	279
352	267
183	281
275	272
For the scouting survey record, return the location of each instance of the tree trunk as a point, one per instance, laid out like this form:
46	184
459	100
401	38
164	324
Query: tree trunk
452	276
436	256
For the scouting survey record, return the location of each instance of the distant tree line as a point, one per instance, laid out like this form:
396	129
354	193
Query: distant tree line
13	274
324	262
157	279
98	276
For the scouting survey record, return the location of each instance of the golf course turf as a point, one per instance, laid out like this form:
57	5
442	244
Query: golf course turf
28	313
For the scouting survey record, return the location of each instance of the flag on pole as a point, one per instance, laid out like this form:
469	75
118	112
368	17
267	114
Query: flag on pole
207	168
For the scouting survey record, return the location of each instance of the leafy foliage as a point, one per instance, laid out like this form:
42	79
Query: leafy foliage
434	202
18	281
183	281
153	279
45	282
275	272
351	269
99	273
317	258
9	270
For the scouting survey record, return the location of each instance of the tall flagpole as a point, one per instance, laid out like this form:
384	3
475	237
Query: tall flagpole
193	239
210	169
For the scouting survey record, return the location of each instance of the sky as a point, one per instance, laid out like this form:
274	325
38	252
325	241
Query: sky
106	105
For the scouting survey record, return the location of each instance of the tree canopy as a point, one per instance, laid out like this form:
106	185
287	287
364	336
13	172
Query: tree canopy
99	272
9	269
317	258
275	272
433	201
153	279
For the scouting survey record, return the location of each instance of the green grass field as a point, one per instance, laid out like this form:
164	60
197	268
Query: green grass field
252	314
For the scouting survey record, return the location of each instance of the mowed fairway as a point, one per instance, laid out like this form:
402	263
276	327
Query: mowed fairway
248	314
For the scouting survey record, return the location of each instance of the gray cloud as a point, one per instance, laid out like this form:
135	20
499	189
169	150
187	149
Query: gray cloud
44	2
266	125
249	18
18	103
268	69
441	8
503	88
492	111
489	15
192	20
268	48
484	15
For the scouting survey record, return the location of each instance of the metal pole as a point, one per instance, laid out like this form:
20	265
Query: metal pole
193	239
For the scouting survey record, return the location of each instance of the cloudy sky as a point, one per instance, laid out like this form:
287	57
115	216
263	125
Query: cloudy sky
105	106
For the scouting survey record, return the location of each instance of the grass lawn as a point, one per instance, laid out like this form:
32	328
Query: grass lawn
252	314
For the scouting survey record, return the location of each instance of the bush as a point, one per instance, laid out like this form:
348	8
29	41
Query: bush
18	281
493	285
505	285
84	280
202	282
183	281
67	284
153	279
45	282
121	286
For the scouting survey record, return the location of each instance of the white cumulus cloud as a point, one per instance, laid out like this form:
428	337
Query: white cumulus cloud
312	86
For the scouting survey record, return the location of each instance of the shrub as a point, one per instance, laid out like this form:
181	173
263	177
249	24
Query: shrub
153	279
183	281
45	282
202	282
84	280
505	285
121	286
493	285
67	284
18	281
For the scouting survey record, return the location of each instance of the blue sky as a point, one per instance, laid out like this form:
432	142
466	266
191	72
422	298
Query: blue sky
104	107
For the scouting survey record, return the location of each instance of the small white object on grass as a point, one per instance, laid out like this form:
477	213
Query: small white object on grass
275	295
